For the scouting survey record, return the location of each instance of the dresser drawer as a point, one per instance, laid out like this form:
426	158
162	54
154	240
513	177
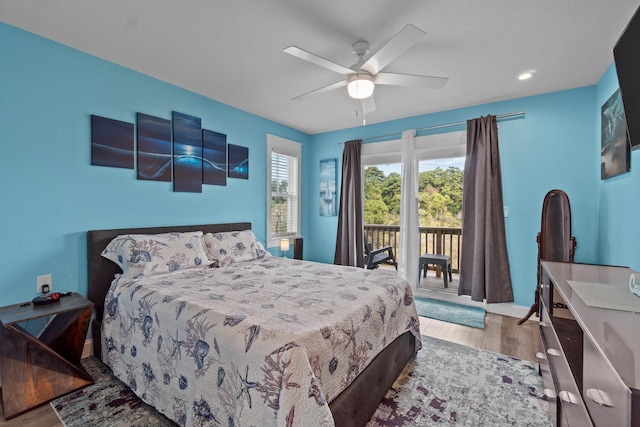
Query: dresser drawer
607	398
570	402
549	391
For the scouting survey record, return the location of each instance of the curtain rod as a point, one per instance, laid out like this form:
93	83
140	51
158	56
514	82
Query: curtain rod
501	116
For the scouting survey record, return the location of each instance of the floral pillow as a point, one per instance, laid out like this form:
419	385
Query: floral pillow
233	246
150	254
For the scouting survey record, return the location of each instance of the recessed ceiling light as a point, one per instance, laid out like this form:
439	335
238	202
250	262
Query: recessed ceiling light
526	75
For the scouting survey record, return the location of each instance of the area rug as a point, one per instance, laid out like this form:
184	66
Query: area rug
451	312
450	384
107	402
446	385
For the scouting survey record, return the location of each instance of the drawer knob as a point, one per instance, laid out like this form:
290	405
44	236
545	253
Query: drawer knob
600	397
549	393
568	397
554	352
541	355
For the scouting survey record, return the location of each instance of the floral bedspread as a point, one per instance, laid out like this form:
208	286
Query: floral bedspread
267	342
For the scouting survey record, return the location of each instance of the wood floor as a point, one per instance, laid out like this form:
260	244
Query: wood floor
501	335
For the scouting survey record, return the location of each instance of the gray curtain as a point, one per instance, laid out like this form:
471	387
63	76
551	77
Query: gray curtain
350	239
484	263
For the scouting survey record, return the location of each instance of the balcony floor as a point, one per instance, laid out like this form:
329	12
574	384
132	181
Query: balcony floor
433	283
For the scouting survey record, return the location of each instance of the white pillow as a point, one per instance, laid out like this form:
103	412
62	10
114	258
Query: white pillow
151	254
233	246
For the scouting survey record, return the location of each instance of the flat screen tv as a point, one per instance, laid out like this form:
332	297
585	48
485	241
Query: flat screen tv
626	54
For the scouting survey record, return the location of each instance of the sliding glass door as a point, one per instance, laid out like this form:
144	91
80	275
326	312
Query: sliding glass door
440	173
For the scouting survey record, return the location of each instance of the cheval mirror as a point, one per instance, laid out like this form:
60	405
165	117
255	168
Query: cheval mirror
555	242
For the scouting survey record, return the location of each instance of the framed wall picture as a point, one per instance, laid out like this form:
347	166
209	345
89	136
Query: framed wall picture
328	187
214	158
187	153
175	149
154	148
238	161
112	143
615	151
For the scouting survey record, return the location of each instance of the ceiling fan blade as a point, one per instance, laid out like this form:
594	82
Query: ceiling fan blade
410	80
395	47
324	89
318	60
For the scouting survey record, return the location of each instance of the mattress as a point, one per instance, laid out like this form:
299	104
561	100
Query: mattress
266	342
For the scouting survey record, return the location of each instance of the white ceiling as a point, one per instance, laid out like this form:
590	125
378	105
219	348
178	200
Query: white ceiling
231	50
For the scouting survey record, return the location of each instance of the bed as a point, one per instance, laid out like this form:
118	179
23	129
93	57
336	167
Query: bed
284	351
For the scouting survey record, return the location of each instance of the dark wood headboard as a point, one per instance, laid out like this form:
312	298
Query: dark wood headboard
101	271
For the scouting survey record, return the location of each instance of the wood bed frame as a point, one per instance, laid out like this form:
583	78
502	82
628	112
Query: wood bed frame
353	407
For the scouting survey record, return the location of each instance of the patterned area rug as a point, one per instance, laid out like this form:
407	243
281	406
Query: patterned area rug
107	402
450	312
447	384
450	384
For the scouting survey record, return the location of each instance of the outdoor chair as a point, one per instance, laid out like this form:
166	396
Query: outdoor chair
373	258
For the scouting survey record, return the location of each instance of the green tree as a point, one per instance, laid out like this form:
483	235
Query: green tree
375	209
447	182
439	197
391	190
279	206
373	176
433	207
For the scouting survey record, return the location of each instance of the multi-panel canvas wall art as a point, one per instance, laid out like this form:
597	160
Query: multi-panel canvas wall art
615	151
187	153
154	148
238	161
177	149
112	143
214	158
328	187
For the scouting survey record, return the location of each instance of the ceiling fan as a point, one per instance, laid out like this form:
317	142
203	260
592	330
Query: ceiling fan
362	77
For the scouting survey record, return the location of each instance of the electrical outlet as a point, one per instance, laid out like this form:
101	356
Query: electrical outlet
47	279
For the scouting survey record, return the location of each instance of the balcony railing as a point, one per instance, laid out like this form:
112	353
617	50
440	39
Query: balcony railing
433	240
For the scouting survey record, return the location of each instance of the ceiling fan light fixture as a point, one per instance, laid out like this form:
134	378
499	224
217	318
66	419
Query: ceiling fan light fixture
360	86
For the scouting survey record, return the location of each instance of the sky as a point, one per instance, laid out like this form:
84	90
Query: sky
425	165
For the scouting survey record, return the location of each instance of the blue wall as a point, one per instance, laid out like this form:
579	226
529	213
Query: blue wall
551	147
618	197
51	195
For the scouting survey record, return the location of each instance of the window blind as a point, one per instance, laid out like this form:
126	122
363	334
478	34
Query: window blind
284	193
284	162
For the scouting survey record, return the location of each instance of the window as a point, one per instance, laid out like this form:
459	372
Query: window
441	161
440	190
283	189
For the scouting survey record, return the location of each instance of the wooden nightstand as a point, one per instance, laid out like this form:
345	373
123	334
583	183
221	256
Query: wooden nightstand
35	370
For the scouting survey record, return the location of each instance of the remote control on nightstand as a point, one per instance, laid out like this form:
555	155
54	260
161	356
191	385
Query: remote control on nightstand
46	298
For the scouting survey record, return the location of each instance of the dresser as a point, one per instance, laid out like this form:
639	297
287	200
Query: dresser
589	356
